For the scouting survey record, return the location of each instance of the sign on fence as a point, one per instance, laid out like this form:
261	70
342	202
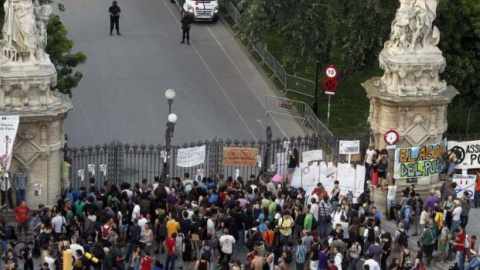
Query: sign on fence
189	157
466	155
313	155
464	183
420	161
349	147
240	156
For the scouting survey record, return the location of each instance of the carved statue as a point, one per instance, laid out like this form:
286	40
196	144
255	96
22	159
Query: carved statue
412	35
412	27
24	31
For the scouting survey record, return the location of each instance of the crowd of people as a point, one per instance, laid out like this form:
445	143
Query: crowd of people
235	224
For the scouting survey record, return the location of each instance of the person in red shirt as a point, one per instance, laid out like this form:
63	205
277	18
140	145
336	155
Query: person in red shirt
21	212
146	262
170	246
459	244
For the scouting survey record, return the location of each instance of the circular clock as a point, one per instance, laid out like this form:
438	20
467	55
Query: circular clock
391	137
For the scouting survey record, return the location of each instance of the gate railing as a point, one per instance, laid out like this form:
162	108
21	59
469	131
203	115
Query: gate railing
133	162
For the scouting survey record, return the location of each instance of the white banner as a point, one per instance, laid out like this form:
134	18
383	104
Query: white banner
8	132
464	183
466	155
313	155
349	147
189	157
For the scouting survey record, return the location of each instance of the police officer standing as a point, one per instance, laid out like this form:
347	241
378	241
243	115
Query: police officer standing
186	22
114	11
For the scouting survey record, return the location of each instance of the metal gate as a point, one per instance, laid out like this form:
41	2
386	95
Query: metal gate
133	162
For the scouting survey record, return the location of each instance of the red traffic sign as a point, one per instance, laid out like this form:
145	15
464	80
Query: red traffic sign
331	71
391	137
330	86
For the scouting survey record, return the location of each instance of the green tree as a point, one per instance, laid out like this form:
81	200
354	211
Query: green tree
59	47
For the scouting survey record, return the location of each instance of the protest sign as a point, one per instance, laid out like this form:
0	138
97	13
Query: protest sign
413	162
190	157
466	155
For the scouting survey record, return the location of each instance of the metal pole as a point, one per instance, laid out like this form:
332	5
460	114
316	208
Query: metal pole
328	111
170	102
166	164
315	98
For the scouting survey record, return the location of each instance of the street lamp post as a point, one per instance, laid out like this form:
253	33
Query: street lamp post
172	119
170	95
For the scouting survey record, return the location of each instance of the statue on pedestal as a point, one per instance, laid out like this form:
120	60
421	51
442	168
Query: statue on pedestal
413	28
24	31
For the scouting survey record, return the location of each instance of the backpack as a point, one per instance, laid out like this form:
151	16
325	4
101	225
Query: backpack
407	261
135	231
289	257
188	187
401	214
202	229
251	238
10	233
265	266
207	251
402	238
371	235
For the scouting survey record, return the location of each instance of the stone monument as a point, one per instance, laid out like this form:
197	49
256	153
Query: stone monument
27	88
410	98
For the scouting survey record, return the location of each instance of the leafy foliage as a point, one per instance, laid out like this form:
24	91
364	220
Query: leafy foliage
59	47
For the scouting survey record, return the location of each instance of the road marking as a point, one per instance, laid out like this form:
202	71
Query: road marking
222	89
244	79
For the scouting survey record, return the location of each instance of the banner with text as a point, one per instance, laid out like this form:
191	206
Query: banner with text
419	161
190	157
466	155
349	147
8	132
465	183
246	157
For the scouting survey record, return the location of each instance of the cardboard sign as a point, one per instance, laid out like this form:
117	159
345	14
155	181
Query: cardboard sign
349	147
313	155
464	183
246	157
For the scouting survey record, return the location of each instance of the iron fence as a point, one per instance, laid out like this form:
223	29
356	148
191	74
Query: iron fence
133	162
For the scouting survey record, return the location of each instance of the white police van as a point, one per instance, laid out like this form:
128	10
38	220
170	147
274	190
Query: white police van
200	10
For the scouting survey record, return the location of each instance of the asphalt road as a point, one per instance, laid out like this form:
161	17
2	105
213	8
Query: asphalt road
220	89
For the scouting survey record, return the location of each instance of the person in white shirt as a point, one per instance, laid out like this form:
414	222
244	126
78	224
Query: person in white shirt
391	199
142	221
226	242
368	161
136	210
457	212
373	265
57	223
337	260
314	208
